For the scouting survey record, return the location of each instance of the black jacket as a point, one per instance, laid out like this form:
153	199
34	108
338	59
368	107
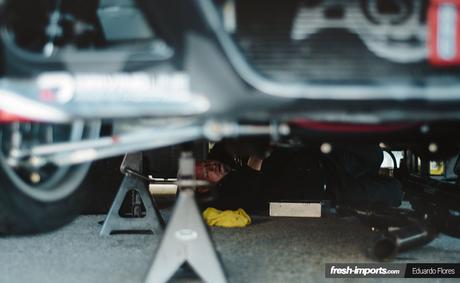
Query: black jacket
346	174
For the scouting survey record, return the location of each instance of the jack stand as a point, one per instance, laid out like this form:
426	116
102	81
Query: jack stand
152	221
186	239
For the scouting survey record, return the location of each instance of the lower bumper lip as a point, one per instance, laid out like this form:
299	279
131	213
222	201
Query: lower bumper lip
16	108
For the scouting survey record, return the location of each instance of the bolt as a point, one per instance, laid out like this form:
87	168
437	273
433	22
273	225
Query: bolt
284	129
35	161
433	148
35	177
213	130
326	148
424	129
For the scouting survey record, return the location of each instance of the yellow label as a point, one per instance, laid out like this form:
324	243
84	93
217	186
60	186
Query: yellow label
436	168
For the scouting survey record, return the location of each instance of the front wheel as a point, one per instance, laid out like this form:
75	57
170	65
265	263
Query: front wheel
34	200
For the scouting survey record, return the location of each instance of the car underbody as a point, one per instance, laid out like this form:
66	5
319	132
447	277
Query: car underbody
81	81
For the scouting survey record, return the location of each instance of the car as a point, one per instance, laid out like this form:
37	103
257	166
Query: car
162	73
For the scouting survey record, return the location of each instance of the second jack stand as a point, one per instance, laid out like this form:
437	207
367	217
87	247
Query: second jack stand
152	221
186	239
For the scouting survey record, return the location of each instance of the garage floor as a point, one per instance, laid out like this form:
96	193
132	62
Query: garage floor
270	250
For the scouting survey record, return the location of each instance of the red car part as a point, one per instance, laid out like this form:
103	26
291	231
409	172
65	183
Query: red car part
351	128
444	33
6	117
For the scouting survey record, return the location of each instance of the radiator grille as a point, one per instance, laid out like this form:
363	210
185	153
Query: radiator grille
264	36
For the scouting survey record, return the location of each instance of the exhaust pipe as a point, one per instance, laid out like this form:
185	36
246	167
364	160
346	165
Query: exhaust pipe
389	244
402	229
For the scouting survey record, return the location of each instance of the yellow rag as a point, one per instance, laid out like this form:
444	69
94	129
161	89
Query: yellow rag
227	218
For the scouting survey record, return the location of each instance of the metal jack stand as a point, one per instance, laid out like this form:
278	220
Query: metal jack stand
186	239
133	181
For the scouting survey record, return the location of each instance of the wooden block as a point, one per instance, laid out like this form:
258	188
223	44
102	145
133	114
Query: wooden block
290	209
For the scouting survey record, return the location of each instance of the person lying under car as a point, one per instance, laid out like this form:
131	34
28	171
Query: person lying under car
250	179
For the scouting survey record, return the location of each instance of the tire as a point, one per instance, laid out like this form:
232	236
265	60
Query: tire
29	209
104	180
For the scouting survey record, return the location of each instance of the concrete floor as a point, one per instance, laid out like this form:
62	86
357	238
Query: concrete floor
269	250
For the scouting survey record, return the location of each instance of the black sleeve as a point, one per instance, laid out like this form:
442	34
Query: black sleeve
358	167
358	161
239	189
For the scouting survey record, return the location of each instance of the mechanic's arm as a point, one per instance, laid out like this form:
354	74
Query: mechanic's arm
241	188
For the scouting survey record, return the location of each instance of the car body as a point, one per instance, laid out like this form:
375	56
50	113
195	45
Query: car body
163	72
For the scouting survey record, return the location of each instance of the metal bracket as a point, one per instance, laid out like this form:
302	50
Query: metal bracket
186	240
152	221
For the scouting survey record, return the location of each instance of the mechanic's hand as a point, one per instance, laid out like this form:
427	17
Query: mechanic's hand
210	170
255	162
